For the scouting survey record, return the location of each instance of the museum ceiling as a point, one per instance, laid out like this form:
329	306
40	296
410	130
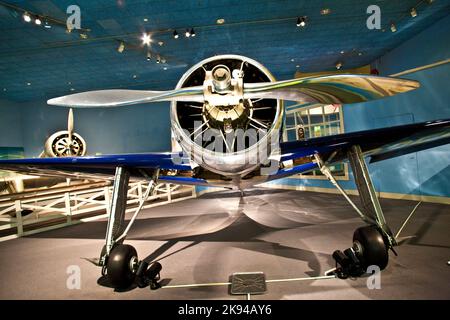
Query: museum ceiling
40	62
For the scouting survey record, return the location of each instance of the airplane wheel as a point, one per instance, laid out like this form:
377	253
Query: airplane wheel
370	247
121	264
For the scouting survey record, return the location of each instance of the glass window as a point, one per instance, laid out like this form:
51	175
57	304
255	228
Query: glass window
291	135
314	122
290	120
316	115
331	112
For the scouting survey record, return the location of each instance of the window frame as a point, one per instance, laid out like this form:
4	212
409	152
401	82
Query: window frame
297	109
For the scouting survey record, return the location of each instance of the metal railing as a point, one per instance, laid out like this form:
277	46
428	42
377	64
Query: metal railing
37	211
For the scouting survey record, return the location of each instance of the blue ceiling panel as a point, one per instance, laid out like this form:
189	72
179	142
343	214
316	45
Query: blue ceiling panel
41	63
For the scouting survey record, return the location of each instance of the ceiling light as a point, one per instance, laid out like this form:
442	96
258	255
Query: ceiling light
187	33
83	36
165	68
413	12
342	51
149	56
47	25
292	60
393	27
175	34
145	19
192	32
121	47
26	17
72	89
160	43
325	11
146	39
360	53
220	21
301	22
163	60
134	76
28	83
297	66
38	21
338	65
158	59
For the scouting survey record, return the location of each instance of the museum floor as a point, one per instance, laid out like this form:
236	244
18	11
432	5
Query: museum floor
285	234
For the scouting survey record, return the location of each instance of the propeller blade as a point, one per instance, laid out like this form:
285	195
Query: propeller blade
70	123
332	89
70	129
119	97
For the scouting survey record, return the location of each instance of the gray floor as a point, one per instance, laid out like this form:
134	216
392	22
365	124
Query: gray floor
286	234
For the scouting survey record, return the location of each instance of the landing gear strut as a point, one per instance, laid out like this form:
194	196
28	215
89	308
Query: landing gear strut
370	243
119	262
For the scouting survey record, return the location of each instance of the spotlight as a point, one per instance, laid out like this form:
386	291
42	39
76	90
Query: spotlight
121	47
338	65
175	34
301	22
149	56
413	12
163	60
393	27
325	11
47	25
220	21
26	17
38	21
158	59
187	33
192	32
146	39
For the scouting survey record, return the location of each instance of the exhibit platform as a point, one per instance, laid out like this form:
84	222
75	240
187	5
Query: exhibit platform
287	235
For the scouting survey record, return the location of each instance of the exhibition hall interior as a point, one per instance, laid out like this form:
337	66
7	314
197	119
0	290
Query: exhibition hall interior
232	150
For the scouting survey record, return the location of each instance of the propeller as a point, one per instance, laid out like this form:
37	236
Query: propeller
331	89
120	97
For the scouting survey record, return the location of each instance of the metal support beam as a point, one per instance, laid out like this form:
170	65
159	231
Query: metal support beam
117	207
327	173
371	212
367	193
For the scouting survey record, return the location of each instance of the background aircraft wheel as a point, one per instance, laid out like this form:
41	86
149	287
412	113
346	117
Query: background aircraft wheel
371	249
121	265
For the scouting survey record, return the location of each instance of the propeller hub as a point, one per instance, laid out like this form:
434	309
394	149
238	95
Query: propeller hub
221	76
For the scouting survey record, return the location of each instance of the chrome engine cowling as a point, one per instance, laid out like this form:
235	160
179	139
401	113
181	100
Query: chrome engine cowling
227	134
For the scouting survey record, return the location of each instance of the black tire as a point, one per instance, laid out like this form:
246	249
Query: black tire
119	271
372	247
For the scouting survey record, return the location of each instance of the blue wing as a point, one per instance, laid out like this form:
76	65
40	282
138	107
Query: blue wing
98	166
378	144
